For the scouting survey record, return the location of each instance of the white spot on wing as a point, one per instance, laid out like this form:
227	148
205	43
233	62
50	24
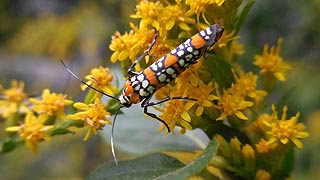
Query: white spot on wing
145	83
180	53
189	56
187	42
189	49
140	77
162	77
142	92
162	58
170	71
150	89
173	51
181	62
160	64
137	87
134	83
195	52
154	67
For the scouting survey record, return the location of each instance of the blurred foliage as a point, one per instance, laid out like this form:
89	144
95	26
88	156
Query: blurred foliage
82	30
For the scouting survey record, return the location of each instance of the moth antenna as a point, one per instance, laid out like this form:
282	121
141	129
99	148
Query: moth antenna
82	81
111	137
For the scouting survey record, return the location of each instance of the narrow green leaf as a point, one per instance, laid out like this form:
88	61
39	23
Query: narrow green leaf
90	96
60	131
146	167
287	164
63	128
244	15
74	123
8	146
221	71
195	166
113	105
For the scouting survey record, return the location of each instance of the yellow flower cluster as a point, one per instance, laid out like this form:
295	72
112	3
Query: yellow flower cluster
35	116
40	117
283	130
93	112
94	115
99	78
33	130
13	99
271	62
50	104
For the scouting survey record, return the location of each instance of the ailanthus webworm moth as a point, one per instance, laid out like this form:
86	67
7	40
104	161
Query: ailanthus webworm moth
140	87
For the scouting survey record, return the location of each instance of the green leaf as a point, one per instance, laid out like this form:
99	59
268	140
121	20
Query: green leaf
147	167
8	146
221	71
63	128
60	131
90	96
244	15
195	166
155	166
113	105
287	164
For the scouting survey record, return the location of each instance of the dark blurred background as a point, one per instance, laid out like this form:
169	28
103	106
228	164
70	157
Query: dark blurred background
35	34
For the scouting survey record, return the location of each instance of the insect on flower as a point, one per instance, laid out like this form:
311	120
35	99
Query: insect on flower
140	87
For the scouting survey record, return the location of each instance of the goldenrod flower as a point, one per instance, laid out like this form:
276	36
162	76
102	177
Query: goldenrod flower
100	78
232	104
246	85
176	14
162	18
264	147
271	62
258	126
50	103
130	45
94	115
32	131
186	83
176	113
226	38
204	97
199	7
11	100
284	130
162	46
150	13
189	79
166	91
236	48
